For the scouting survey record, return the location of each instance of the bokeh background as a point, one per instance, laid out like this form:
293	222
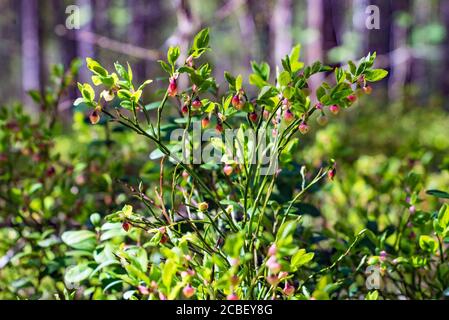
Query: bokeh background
411	43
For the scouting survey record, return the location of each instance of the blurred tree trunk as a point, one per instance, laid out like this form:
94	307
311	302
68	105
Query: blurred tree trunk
85	49
281	28
314	50
400	54
31	72
67	44
247	33
419	65
261	13
333	24
358	20
188	25
145	17
444	79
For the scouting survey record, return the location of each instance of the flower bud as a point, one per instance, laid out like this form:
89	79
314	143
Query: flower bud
185	109
205	122
232	296
94	117
383	255
126	225
367	90
335	109
288	115
253	117
162	296
196	104
273	280
188	291
331	173
237	102
289	289
352	98
322	120
234	280
319	106
143	290
266	114
219	128
172	88
272	250
303	128
203	206
227	170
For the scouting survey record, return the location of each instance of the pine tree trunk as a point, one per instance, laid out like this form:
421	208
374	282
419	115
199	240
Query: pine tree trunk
281	28
85	49
314	50
31	73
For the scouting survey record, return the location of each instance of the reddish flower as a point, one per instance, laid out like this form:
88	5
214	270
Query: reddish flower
352	98
94	117
219	128
227	170
196	104
172	88
188	291
335	109
303	128
253	117
289	289
331	173
205	122
126	225
288	115
368	89
232	296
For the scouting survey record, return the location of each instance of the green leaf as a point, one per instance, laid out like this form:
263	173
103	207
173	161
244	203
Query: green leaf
234	244
301	258
428	244
173	55
443	216
201	40
87	92
82	239
375	75
373	295
78	273
261	70
143	85
238	82
284	78
35	95
124	94
95	67
438	194
168	272
165	66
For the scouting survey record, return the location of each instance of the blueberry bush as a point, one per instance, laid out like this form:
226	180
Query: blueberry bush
298	211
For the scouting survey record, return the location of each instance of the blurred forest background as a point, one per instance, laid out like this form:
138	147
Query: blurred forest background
411	42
